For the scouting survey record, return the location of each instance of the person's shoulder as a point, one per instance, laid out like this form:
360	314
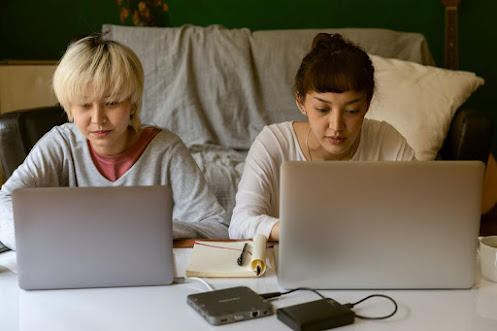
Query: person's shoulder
387	140
64	129
285	124
165	135
276	141
377	128
373	124
276	131
166	141
67	132
282	126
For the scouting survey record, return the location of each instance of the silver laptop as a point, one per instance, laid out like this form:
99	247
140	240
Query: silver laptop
379	225
79	237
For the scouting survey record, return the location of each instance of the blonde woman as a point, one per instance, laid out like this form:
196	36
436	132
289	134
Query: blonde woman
99	83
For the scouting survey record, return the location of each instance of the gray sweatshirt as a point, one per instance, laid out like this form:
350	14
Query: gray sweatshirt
62	158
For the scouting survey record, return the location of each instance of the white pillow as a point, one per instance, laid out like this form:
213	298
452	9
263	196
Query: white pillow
419	101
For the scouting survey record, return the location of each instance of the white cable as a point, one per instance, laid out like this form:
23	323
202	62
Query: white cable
209	287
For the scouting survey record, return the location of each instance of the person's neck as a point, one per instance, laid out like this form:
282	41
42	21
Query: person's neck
133	137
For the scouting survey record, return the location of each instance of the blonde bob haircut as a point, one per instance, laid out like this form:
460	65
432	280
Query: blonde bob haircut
93	68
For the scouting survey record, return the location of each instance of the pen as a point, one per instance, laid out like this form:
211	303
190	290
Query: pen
241	259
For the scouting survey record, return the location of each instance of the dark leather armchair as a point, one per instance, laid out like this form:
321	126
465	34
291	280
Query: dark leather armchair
20	130
469	138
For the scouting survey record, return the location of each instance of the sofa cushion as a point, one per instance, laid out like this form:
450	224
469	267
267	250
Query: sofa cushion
419	101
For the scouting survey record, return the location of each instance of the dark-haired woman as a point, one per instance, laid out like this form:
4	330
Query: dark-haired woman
334	87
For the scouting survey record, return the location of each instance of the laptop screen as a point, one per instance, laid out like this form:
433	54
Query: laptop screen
379	224
74	237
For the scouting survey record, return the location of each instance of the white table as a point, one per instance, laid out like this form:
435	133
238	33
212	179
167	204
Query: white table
165	307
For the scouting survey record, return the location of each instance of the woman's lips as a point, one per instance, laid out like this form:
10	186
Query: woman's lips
336	140
100	133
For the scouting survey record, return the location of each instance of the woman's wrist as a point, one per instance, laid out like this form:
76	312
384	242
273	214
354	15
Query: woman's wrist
275	232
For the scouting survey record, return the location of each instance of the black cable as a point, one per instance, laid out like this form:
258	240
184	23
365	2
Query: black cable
351	305
271	295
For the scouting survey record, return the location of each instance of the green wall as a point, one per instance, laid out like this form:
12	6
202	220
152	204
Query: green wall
41	29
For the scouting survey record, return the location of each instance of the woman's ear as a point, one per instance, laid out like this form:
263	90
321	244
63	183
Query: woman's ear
300	104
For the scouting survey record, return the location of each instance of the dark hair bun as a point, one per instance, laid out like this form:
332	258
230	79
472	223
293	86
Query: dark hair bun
335	65
333	41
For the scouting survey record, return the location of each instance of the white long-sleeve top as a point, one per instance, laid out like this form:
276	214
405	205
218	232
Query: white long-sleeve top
257	199
62	158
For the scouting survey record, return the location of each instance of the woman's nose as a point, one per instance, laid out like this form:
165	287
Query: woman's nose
336	121
98	115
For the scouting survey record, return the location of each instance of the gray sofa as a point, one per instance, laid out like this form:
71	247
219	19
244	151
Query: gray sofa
216	88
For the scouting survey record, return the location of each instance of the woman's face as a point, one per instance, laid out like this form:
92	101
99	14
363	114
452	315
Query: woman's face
104	123
335	120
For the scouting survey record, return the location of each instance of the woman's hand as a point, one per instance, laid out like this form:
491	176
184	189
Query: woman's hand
275	233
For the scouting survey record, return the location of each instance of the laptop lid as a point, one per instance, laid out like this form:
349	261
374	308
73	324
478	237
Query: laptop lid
379	225
78	237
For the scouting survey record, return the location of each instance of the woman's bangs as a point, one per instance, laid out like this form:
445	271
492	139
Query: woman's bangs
81	90
334	77
118	90
99	88
119	81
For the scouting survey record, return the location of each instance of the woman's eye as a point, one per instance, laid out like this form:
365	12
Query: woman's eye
322	110
353	111
85	105
112	103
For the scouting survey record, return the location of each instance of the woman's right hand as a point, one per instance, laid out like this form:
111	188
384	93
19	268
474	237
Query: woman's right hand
275	233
